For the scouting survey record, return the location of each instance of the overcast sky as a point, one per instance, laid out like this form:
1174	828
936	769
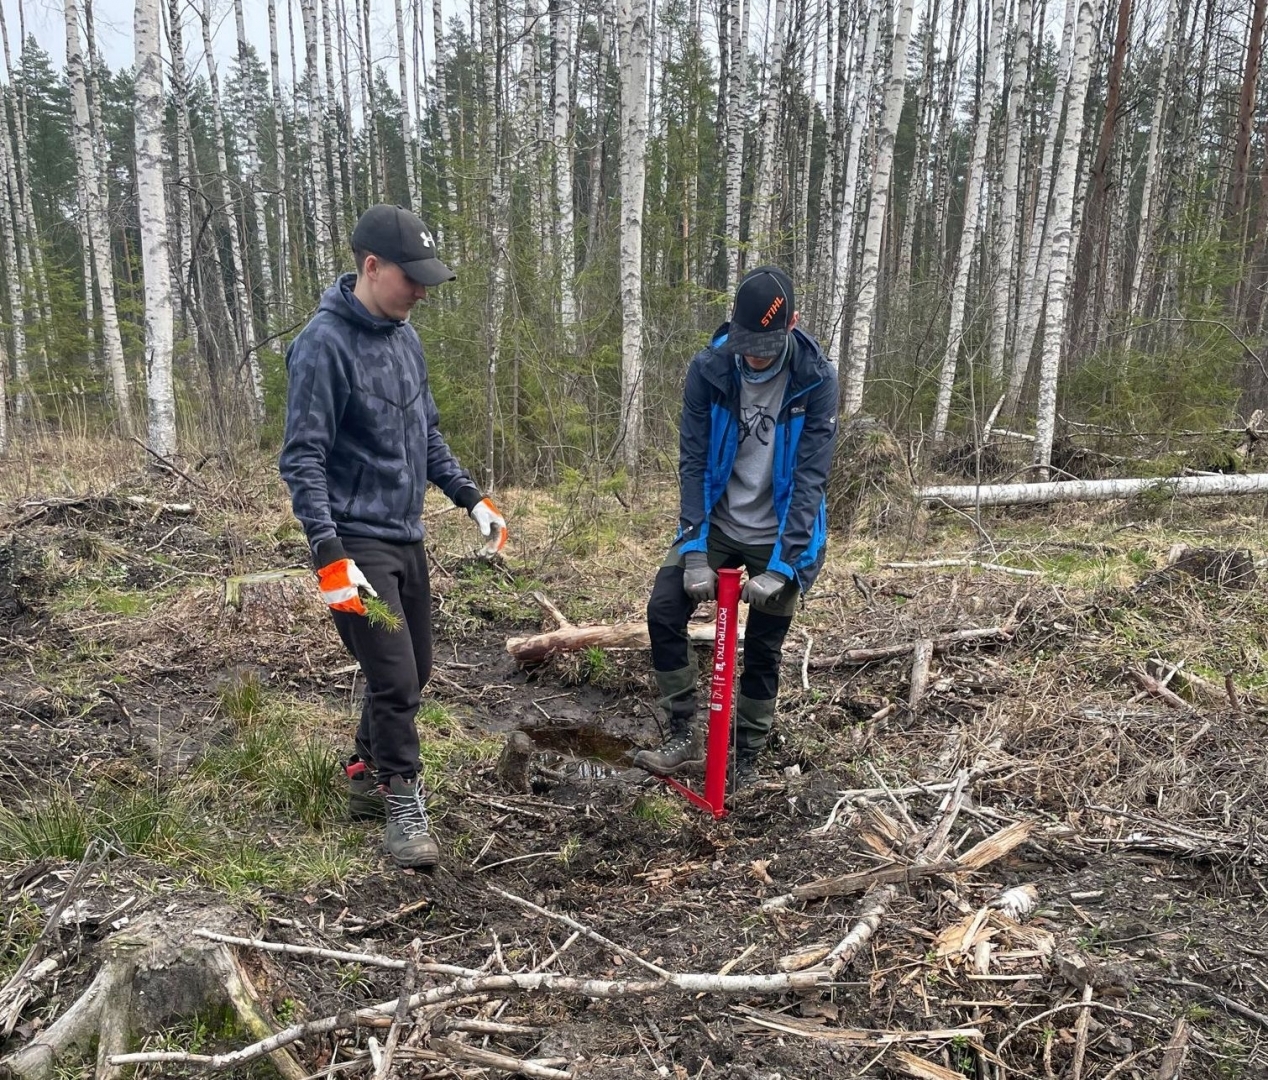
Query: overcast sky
113	23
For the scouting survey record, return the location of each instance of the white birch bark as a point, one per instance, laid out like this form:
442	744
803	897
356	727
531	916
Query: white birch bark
1144	229
30	251
1034	283
737	114
350	185
968	234
406	111
632	16
444	150
323	223
844	247
183	196
16	268
802	228
1093	490
280	167
251	138
1062	218
917	190
495	156
86	160
869	267
561	30
769	130
152	217
821	283
1006	235
340	182
243	314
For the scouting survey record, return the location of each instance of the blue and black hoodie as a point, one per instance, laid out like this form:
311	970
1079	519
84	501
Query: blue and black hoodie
805	440
362	431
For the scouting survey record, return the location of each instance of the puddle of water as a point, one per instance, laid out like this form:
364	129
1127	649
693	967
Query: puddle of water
585	751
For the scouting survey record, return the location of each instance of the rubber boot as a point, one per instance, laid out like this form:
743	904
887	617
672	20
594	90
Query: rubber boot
684	749
753	720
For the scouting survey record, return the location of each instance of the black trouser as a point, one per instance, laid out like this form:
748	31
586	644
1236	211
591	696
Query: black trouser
396	663
669	610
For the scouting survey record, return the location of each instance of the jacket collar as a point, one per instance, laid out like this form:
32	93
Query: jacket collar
804	365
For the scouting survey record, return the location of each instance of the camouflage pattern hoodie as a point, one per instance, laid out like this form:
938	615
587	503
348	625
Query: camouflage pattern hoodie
362	431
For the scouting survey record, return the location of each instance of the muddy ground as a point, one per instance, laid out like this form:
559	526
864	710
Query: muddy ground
122	670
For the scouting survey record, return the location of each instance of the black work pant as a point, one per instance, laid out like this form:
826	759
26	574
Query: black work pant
669	610
396	663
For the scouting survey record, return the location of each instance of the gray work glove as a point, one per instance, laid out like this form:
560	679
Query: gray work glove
698	581
761	590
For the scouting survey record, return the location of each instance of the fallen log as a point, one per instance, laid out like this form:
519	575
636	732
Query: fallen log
1092	490
535	648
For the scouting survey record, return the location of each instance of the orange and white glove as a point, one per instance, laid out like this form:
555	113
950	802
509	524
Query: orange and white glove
341	583
492	527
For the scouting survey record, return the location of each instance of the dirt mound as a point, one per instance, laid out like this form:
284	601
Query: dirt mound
870	490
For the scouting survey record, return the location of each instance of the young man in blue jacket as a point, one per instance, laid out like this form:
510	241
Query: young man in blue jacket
362	442
755	448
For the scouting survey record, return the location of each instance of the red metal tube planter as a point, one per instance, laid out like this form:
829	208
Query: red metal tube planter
720	700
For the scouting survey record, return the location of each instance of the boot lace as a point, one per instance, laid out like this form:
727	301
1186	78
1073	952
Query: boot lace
409	811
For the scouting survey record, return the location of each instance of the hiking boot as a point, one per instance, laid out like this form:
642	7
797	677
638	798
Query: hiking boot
684	750
365	800
407	839
744	774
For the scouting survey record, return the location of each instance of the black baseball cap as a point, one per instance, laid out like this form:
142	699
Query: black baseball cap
397	235
764	305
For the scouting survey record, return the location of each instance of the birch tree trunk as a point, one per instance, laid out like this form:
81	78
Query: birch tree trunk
968	235
634	61
1006	235
495	153
280	167
1062	218
86	159
406	113
917	190
802	234
562	137
183	173
769	131
251	137
736	116
942	154
348	163
870	264
1038	253
861	111
323	219
1144	229
27	236
243	314
445	177
152	217
13	265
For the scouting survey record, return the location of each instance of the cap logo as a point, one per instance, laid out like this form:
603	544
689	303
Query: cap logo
427	238
772	311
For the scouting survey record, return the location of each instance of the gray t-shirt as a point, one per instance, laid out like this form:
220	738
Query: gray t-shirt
746	511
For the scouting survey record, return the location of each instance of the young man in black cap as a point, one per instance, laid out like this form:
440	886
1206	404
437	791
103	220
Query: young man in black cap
362	442
755	447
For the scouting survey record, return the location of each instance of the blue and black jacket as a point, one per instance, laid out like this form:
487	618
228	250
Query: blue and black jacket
805	439
362	437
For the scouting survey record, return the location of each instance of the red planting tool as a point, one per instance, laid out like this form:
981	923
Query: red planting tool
720	700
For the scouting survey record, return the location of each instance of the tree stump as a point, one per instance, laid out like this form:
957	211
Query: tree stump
516	762
152	974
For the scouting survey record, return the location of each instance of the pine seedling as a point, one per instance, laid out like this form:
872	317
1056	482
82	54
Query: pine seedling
379	614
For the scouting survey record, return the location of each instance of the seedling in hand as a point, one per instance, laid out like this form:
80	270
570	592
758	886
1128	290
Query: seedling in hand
379	613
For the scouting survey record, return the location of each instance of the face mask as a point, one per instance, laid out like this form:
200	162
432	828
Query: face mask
751	375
